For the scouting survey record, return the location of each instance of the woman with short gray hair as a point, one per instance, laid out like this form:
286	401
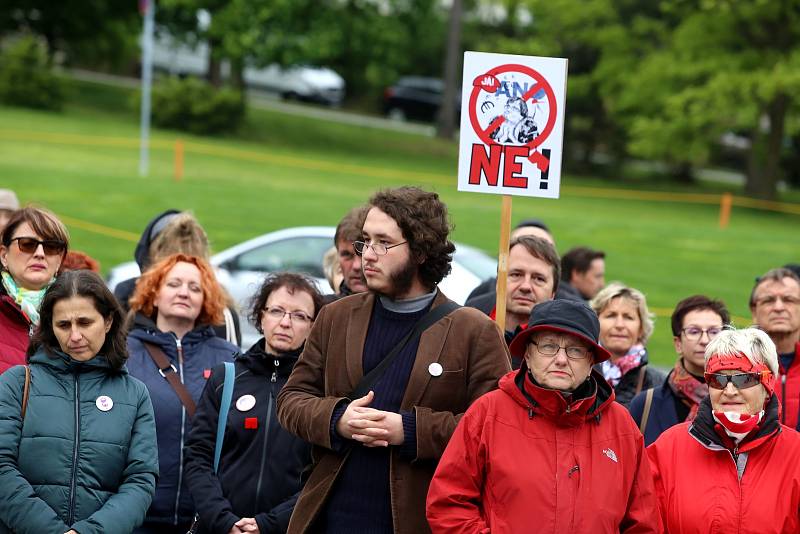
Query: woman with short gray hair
735	464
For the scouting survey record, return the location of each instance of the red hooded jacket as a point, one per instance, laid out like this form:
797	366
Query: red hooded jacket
699	486
14	333
527	461
789	391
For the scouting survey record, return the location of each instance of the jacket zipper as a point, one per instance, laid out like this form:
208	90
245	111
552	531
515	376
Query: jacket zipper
783	397
266	436
183	432
75	447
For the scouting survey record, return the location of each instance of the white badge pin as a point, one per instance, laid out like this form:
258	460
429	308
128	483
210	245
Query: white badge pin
245	403
435	369
104	403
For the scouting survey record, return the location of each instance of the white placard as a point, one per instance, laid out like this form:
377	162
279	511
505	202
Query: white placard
512	124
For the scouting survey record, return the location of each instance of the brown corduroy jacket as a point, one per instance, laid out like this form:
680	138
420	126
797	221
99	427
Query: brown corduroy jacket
466	343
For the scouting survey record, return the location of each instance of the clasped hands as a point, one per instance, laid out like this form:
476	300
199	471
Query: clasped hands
370	427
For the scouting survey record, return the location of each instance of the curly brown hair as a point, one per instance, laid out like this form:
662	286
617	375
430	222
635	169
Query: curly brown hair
149	284
423	219
292	282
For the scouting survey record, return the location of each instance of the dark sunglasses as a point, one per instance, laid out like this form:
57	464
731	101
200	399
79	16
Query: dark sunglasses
739	381
51	247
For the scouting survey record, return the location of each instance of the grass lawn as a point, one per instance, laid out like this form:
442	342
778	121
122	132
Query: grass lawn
281	171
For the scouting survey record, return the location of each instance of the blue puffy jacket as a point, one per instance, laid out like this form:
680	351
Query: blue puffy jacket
193	358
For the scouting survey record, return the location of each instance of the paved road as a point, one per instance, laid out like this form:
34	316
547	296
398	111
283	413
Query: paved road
273	102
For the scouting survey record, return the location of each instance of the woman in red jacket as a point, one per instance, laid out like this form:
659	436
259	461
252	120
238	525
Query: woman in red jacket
549	451
32	246
735	468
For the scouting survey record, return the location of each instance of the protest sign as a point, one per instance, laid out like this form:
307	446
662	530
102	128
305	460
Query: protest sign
511	141
512	124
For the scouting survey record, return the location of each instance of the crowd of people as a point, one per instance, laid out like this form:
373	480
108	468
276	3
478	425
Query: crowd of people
380	405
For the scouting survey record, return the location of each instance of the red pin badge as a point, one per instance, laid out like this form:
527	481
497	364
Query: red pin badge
251	423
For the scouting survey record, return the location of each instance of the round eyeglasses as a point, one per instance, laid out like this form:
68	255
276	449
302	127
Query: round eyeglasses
378	248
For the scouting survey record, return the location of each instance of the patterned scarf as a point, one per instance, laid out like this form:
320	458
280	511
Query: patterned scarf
687	388
613	372
28	300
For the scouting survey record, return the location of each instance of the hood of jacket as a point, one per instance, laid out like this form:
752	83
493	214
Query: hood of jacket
61	363
144	329
703	428
588	402
142	252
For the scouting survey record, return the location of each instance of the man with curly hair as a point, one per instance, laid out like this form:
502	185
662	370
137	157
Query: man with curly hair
378	436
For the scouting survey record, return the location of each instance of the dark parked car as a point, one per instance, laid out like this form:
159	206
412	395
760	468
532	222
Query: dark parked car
416	97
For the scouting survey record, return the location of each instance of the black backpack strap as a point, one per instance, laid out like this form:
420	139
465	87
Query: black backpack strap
434	315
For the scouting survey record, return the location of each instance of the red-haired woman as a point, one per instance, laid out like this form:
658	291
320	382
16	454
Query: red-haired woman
172	350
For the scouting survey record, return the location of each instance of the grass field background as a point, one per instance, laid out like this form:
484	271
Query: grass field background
282	170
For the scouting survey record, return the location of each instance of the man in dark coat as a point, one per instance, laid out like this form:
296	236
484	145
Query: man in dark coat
376	453
583	274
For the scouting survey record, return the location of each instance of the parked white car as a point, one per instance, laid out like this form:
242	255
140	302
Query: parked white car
241	268
298	82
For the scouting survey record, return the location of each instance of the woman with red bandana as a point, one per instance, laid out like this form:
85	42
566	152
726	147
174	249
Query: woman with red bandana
735	468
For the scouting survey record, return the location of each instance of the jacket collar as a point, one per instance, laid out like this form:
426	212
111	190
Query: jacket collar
589	401
145	329
703	427
63	364
261	362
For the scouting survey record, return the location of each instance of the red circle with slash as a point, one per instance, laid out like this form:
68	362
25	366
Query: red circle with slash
541	84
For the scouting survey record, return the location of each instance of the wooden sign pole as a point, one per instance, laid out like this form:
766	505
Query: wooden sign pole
502	263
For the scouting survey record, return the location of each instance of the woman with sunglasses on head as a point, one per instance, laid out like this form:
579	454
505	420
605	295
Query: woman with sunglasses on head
695	322
735	468
256	485
172	349
32	246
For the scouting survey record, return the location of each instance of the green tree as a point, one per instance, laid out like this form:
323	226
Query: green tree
96	30
728	65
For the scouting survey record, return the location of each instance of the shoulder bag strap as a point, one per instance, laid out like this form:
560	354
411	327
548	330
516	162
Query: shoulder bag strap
640	381
648	404
423	324
170	374
224	408
26	390
230	328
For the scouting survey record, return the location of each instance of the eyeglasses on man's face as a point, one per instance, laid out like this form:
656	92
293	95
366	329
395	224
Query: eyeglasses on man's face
295	317
550	348
51	247
380	249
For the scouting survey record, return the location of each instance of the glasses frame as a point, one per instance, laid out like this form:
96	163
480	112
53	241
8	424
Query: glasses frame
363	245
584	356
295	316
706	331
719	379
50	247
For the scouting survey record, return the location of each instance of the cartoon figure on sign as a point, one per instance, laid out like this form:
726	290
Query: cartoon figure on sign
529	110
519	127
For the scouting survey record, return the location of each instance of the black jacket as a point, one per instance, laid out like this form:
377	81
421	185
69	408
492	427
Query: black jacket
261	463
626	390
